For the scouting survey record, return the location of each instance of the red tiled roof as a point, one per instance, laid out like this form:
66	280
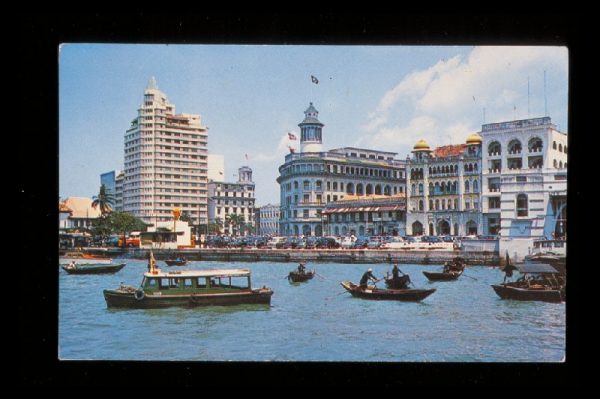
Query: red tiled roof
449	150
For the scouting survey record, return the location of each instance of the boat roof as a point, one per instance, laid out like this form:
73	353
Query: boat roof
536	268
201	273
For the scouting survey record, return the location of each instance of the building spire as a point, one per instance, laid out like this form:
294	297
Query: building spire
152	85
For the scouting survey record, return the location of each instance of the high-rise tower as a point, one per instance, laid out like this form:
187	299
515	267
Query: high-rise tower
165	161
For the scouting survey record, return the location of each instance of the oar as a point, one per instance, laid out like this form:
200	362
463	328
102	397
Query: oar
318	275
470	277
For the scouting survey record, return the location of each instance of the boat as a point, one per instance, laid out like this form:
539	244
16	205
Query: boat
553	252
176	262
298	277
442	276
93	268
452	271
82	257
189	288
372	292
538	282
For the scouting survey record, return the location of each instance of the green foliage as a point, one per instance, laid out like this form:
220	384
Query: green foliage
104	201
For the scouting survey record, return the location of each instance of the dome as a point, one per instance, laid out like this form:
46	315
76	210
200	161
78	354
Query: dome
421	145
474	139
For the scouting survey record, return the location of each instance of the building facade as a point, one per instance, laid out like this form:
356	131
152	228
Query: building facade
311	179
524	182
77	213
165	162
226	199
366	215
113	183
445	189
268	222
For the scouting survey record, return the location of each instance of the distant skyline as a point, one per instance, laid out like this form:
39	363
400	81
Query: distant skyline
250	97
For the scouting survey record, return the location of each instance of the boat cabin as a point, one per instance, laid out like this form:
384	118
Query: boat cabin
197	281
539	275
557	247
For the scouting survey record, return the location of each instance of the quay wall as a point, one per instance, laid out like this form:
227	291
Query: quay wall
317	255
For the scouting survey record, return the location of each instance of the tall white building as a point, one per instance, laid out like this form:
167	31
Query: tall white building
233	198
524	182
165	161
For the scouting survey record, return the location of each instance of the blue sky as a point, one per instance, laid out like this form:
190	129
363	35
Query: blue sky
379	97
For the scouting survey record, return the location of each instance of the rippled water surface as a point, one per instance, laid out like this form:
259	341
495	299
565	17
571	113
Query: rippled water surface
314	321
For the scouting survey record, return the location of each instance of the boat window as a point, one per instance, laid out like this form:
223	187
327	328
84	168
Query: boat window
164	283
201	282
151	283
174	283
239	282
187	283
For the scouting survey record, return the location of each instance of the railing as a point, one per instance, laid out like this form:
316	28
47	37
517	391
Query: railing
494	154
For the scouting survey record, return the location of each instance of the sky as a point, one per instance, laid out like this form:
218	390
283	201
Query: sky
250	97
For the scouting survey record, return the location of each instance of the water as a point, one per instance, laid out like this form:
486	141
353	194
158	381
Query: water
463	321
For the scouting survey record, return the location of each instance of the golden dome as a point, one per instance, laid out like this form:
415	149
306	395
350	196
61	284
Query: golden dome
474	139
421	145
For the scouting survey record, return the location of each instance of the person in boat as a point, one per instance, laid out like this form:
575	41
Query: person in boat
301	268
71	265
446	267
396	272
366	277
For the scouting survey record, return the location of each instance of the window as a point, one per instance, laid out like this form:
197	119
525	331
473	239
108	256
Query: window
305	213
522	206
475	186
421	205
306	185
494	148
494	202
467	186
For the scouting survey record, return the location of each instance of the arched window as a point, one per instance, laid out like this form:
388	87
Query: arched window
359	189
522	205
421	205
443	187
466	186
494	148
456	204
475	167
436	190
417	229
560	147
555	163
413	188
296	185
430	171
420	188
535	144
475	186
378	189
306	185
560	165
369	190
430	188
514	147
437	205
449	204
471	228
449	186
565	148
296	231
430	205
350	188
387	190
565	165
337	230
443	204
344	230
554	145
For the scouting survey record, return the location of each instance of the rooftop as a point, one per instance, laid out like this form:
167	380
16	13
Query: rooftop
449	150
202	273
81	207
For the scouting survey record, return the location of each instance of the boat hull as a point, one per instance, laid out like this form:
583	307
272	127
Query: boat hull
441	276
296	277
176	262
78	261
96	268
523	294
409	295
120	299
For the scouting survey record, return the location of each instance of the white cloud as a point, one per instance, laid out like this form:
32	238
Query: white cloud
444	103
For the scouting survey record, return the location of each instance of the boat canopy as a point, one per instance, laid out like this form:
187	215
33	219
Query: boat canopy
202	273
536	268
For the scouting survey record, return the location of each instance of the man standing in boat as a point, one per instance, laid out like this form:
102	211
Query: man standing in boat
301	268
366	277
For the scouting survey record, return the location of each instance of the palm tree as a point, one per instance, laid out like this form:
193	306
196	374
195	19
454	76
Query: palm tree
234	221
104	200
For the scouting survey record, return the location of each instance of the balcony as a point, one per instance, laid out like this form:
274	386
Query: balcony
494	154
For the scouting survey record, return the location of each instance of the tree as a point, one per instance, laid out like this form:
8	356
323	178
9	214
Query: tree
215	227
185	217
104	201
121	222
234	221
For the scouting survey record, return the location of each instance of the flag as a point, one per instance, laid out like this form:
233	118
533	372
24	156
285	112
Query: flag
291	136
314	79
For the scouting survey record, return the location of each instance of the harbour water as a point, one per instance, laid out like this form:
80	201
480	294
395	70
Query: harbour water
463	321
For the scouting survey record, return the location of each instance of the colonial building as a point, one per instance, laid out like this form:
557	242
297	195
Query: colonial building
268	222
165	161
524	182
366	215
445	189
237	198
312	178
77	212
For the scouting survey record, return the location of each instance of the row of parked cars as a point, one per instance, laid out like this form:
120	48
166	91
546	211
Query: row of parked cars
332	242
